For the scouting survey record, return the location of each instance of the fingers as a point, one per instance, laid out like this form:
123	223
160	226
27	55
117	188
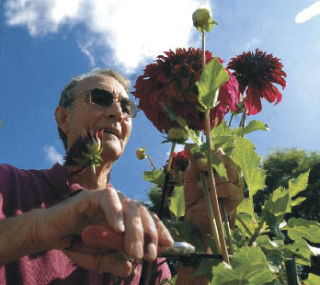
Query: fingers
134	233
113	209
164	237
115	262
150	235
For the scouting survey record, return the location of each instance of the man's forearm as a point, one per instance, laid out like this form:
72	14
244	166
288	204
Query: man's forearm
19	236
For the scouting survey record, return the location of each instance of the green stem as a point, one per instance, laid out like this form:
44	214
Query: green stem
231	120
203	50
256	234
212	220
243	118
227	226
212	185
151	162
95	182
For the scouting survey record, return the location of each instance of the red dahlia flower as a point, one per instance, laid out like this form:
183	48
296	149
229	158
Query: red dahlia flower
179	165
171	81
179	161
256	73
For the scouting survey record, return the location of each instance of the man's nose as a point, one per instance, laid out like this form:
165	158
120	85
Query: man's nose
115	111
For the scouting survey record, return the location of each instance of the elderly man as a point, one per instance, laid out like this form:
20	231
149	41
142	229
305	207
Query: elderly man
44	212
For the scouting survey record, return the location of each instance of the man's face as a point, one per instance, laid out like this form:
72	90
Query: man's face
85	115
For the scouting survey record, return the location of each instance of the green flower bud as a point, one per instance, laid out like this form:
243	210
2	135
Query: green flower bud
202	20
178	177
177	135
141	153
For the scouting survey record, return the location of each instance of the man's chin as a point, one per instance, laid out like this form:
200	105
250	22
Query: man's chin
111	151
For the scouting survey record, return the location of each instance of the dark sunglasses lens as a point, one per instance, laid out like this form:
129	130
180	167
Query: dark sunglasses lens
105	98
101	97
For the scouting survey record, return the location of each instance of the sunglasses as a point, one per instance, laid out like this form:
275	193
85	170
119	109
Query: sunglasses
105	98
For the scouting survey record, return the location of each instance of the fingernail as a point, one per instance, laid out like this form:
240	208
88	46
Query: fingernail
151	251
168	236
136	249
120	224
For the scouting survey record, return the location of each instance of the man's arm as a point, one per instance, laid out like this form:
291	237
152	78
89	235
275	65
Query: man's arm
18	236
49	228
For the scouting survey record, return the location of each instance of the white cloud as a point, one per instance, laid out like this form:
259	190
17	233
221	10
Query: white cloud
132	30
308	13
252	43
52	154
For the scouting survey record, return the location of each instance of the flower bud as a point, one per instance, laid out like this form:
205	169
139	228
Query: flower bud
177	135
178	177
202	19
141	153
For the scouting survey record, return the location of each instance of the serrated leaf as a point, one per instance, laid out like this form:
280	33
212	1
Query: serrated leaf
253	125
225	142
312	279
279	202
300	228
298	201
300	250
177	206
155	176
218	165
273	223
212	77
299	184
248	160
246	224
249	266
246	207
222	130
267	243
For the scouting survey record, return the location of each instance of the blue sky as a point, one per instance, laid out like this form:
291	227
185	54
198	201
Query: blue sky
43	44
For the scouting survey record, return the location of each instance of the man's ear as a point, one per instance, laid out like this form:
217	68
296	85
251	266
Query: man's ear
62	118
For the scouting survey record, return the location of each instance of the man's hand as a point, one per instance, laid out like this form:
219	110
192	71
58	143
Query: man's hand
62	225
231	191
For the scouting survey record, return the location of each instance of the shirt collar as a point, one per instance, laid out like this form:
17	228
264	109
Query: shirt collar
59	179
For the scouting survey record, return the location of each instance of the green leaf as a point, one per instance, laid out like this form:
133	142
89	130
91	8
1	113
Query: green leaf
186	231
273	223
218	165
1	124
177	206
212	77
301	228
221	130
298	201
253	125
246	207
249	225
249	266
247	159
155	176
299	184
166	281
300	250
312	279
279	202
205	267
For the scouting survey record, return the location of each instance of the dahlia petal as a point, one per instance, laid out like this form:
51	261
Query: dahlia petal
252	102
